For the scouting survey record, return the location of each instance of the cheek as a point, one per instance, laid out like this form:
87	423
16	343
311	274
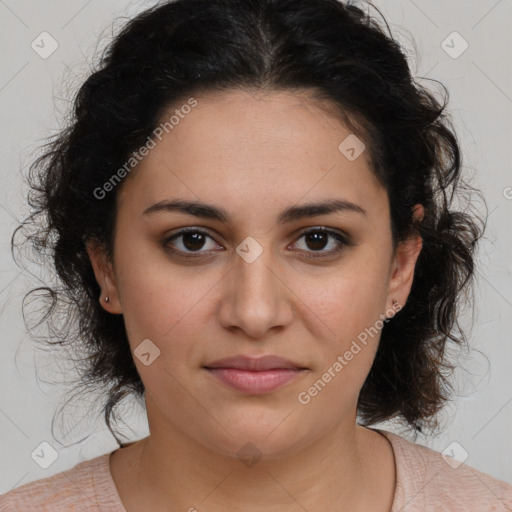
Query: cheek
160	299
348	348
347	301
171	308
348	306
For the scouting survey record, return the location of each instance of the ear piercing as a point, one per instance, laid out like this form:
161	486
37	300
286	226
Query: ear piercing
395	303
106	299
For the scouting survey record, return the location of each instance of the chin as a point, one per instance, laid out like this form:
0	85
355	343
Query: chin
253	438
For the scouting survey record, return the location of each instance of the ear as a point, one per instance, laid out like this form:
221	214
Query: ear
105	277
404	263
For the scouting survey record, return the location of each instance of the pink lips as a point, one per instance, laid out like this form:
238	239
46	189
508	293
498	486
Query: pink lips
251	375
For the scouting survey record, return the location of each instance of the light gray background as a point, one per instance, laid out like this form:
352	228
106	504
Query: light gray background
33	94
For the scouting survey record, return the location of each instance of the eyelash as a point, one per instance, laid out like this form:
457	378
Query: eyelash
343	241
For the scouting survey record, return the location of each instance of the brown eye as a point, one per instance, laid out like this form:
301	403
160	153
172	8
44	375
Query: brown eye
190	241
193	241
318	239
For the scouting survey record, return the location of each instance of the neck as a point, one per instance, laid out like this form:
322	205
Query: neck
341	470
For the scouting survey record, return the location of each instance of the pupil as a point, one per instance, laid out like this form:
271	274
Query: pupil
315	238
197	240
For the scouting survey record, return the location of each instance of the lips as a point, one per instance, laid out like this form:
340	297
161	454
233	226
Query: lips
254	375
269	362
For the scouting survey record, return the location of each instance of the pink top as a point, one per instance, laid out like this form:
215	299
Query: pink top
425	482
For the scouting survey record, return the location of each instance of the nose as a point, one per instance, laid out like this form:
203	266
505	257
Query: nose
256	298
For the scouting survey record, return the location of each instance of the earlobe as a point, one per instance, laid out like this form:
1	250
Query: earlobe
405	262
105	277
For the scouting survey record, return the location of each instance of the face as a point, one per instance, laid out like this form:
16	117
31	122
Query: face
246	279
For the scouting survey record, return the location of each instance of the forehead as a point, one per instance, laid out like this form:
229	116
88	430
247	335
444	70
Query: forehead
278	146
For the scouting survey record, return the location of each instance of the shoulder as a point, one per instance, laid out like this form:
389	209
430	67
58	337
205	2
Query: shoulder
428	480
85	487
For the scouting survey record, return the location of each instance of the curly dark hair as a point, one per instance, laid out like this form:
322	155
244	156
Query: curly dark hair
339	53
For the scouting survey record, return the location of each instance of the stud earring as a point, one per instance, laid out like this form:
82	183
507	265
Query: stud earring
395	304
106	299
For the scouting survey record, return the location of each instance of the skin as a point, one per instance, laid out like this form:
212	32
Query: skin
254	155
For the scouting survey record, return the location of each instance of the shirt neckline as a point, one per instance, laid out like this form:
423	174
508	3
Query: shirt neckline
394	440
112	497
396	447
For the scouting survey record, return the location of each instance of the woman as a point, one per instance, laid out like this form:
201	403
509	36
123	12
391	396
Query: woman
252	214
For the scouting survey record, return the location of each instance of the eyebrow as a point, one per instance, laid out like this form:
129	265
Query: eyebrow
290	214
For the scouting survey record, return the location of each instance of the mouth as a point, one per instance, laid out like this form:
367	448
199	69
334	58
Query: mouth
255	382
255	375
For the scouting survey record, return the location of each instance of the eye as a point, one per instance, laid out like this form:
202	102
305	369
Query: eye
318	238
192	241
